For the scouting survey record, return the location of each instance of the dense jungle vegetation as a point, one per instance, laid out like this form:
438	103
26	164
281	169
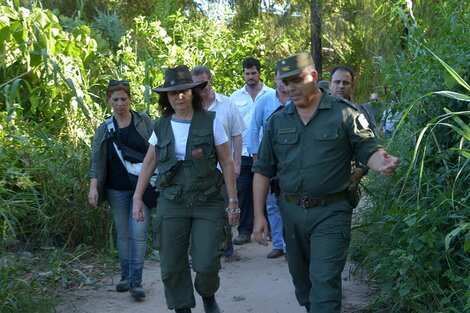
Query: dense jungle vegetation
412	238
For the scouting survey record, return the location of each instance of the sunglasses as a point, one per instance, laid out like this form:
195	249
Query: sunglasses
113	83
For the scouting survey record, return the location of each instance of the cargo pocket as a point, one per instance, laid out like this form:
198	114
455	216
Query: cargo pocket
171	192
203	167
163	150
226	233
156	232
328	139
287	136
202	139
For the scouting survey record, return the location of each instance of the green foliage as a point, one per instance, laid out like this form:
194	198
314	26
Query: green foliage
149	48
110	26
415	237
43	199
26	278
17	292
54	72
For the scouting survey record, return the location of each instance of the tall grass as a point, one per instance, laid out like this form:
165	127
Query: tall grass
43	199
415	237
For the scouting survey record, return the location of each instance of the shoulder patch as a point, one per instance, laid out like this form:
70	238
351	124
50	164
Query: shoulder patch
363	121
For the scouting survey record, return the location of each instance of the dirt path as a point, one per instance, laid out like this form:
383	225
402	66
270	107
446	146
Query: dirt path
249	283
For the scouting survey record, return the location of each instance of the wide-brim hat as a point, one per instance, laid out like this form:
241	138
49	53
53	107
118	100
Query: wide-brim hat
294	64
178	78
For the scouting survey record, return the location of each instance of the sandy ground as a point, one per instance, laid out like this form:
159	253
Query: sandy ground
249	283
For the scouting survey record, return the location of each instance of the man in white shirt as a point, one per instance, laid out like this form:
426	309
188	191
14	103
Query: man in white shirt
226	112
244	99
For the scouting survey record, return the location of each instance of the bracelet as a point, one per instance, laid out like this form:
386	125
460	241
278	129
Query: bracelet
232	200
232	211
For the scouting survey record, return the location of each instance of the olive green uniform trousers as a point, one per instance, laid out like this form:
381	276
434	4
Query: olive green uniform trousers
199	228
317	241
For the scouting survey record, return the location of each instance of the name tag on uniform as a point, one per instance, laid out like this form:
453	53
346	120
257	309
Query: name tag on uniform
363	121
286	130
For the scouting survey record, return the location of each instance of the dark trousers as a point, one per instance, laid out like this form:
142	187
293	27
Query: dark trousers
200	227
317	241
245	197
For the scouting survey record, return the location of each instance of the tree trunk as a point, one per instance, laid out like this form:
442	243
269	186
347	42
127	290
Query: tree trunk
315	43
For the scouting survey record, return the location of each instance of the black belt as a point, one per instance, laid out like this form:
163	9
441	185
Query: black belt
247	157
307	202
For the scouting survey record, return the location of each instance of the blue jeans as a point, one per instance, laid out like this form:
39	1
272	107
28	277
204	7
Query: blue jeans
131	235
275	221
245	197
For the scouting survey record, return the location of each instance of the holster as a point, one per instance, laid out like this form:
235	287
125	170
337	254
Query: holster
354	194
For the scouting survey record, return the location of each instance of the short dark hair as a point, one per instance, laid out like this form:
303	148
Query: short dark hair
250	62
201	69
343	68
166	109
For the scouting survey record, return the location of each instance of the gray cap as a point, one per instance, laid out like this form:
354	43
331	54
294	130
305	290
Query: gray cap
294	64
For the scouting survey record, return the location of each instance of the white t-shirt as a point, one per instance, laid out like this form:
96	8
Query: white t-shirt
181	130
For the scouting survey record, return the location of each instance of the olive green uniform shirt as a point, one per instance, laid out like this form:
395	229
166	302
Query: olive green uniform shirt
315	159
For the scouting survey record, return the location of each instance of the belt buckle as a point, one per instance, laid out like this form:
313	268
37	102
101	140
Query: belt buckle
303	202
318	201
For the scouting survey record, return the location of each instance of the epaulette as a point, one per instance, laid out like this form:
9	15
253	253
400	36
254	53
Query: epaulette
349	103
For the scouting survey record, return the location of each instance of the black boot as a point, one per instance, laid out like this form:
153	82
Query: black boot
185	310
210	305
137	292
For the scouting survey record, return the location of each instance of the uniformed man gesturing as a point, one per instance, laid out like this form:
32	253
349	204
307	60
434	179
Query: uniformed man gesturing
309	145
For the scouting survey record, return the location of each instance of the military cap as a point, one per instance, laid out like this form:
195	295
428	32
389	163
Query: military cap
294	64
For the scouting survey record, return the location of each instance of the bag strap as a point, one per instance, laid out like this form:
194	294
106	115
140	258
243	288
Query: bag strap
132	168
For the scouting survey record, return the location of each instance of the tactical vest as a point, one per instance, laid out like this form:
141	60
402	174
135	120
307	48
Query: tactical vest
195	178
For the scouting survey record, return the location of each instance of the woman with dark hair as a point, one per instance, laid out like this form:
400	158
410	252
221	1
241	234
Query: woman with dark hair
186	145
110	180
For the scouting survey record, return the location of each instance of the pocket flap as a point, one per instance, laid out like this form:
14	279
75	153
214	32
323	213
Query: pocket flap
327	134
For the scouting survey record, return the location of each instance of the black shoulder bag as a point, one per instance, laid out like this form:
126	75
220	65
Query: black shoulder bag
150	195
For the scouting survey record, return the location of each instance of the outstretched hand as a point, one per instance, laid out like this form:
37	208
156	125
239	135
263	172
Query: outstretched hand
389	164
383	162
